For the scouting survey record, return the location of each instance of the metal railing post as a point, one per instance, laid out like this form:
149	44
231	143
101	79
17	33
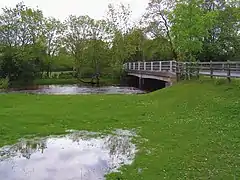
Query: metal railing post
211	69
144	66
170	67
160	65
151	66
229	71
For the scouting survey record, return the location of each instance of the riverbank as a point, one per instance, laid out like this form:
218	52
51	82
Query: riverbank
191	129
52	81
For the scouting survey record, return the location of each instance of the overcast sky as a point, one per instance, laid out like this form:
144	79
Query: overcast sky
62	8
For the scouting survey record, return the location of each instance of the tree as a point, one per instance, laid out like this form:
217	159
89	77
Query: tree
189	28
222	41
53	31
135	41
206	30
96	47
21	41
21	25
76	36
119	25
157	23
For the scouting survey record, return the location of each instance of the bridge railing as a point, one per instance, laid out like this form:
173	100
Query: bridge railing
169	66
221	69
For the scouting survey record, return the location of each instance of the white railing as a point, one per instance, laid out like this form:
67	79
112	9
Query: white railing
221	69
169	66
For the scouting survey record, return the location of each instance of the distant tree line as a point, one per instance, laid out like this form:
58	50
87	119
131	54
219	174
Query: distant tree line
32	45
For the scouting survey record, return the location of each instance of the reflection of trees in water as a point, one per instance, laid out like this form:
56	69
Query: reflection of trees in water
119	146
82	136
23	148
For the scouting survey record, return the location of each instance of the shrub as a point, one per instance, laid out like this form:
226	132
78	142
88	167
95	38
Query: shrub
66	75
4	83
87	72
114	73
20	64
55	76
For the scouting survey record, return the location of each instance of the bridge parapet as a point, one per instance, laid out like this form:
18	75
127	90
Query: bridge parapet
228	69
166	66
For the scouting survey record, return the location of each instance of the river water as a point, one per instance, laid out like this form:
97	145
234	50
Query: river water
75	89
80	155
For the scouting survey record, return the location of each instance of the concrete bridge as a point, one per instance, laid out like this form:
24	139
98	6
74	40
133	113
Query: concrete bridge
171	71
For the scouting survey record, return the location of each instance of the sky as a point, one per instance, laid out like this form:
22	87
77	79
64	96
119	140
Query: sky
61	9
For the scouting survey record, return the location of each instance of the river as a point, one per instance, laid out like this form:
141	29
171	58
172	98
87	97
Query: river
75	89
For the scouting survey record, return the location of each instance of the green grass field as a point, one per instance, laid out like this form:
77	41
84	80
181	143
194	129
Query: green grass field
192	129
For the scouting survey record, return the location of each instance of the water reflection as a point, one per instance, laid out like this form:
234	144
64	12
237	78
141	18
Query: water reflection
75	156
74	89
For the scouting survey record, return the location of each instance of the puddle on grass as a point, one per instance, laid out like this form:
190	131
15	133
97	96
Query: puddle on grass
77	156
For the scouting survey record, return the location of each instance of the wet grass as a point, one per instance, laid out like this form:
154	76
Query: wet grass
192	129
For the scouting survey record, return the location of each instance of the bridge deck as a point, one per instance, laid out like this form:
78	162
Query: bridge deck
152	73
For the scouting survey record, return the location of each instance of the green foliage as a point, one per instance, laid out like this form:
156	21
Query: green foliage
68	75
62	63
205	30
121	48
195	29
4	83
87	72
188	28
158	49
22	50
223	38
21	63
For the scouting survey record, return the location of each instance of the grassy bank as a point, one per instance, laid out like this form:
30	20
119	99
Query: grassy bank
103	81
52	81
55	81
193	128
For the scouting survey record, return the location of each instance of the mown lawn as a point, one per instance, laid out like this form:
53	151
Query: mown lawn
192	129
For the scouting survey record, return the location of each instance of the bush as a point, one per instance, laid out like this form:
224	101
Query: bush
4	83
20	64
66	75
87	72
55	76
114	73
